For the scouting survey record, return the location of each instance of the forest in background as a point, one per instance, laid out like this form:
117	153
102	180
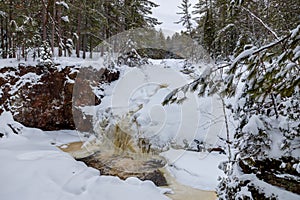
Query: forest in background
225	26
221	27
68	25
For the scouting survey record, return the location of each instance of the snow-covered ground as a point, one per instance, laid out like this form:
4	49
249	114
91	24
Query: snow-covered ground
96	62
31	168
196	169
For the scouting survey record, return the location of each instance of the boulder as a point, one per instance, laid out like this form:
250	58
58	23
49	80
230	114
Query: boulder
128	166
42	97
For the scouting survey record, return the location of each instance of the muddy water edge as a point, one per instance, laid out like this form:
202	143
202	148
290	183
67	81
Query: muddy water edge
180	191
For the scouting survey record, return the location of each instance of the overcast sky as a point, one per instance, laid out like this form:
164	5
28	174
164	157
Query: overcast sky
166	13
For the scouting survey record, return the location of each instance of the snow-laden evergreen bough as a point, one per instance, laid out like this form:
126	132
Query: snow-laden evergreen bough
267	110
264	81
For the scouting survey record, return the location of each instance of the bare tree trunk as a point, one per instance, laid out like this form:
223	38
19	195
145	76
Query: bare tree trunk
84	38
65	49
227	129
78	32
9	34
23	51
59	38
91	47
84	46
44	14
53	28
2	38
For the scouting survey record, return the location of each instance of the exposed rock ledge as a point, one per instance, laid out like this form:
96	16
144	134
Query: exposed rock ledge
127	166
41	97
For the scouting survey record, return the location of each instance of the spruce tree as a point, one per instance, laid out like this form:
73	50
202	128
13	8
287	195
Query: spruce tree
186	19
206	23
46	55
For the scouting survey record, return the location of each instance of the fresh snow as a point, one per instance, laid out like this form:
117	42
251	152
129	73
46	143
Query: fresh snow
31	168
196	169
65	136
254	125
31	78
142	90
63	3
65	18
60	62
35	159
269	189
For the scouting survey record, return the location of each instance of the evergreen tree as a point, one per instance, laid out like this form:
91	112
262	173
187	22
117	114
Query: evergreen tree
137	14
46	55
206	24
268	118
223	25
161	40
186	19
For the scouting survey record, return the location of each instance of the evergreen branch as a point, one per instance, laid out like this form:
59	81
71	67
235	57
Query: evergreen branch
271	45
260	20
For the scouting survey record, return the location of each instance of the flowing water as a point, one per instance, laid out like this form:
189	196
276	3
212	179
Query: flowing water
180	191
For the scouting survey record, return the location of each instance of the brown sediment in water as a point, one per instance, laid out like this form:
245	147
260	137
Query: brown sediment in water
180	192
183	192
78	149
71	147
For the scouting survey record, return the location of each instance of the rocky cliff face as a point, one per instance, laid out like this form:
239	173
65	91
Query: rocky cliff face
42	97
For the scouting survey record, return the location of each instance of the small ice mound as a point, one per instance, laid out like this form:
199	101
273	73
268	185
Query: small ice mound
64	146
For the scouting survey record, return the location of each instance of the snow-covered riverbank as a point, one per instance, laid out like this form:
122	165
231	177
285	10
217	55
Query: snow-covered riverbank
32	168
195	169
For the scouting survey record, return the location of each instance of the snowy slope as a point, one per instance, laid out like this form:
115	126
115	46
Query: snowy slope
32	169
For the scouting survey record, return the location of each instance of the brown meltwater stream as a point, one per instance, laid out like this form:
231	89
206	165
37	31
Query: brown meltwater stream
180	192
183	192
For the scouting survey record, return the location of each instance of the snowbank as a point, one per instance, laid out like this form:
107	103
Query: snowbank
31	168
196	169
